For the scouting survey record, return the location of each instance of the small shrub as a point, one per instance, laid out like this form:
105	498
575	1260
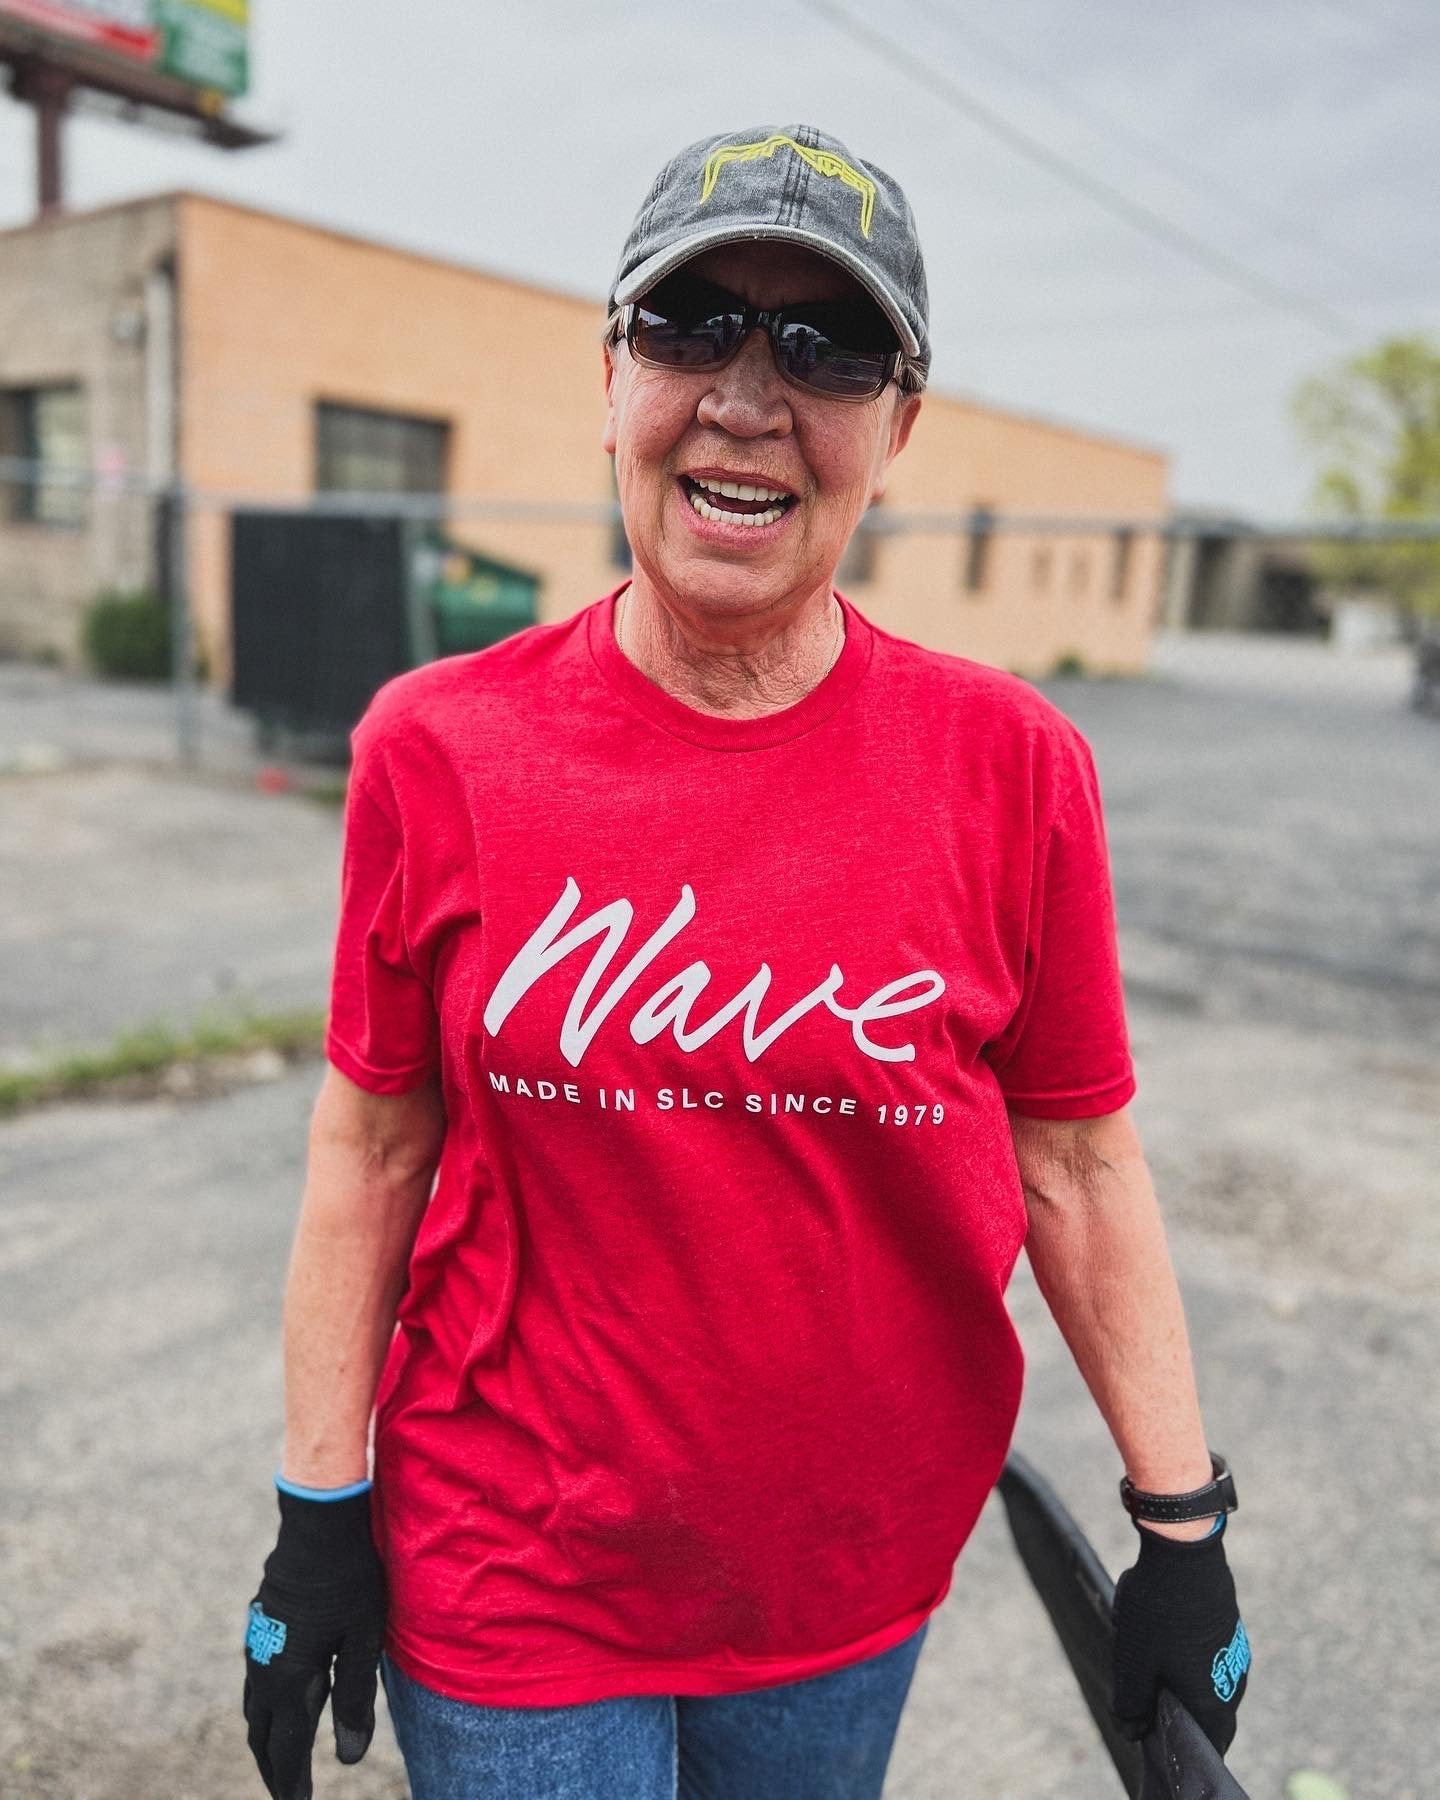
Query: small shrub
1071	663
327	791
128	635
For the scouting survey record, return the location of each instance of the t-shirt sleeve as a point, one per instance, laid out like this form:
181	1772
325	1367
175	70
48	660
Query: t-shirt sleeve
1065	1053
383	1030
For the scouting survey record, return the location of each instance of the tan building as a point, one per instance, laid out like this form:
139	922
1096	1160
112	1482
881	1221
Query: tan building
252	355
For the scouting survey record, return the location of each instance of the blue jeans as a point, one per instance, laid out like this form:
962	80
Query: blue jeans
827	1738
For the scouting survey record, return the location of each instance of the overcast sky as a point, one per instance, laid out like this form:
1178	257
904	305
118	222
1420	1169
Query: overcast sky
1300	137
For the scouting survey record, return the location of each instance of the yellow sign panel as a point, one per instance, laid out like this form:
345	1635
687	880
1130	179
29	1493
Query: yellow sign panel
236	11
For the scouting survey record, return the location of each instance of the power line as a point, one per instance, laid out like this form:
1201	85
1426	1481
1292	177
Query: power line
1155	149
1119	204
1347	15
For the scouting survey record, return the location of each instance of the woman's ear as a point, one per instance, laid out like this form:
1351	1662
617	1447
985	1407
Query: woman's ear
607	436
902	421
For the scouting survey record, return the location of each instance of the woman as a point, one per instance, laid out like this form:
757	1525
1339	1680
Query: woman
745	980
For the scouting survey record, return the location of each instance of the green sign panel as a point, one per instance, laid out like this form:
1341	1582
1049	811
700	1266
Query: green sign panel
204	42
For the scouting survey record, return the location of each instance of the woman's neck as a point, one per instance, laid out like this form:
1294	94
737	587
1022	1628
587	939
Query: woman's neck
737	668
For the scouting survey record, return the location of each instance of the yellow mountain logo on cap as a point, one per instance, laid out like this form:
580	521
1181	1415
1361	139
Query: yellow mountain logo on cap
821	161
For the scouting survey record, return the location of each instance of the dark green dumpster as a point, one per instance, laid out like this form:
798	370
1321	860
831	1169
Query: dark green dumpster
327	606
473	600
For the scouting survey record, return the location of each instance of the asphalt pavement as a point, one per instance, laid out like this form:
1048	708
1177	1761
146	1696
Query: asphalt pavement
1274	818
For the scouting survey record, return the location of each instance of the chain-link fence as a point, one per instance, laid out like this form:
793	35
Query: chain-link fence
296	608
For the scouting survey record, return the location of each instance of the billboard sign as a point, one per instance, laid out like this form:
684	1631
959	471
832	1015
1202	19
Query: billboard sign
203	43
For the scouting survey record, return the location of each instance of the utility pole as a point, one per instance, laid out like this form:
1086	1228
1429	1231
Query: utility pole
46	88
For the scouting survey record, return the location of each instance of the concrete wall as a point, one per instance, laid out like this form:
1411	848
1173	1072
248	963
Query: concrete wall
73	308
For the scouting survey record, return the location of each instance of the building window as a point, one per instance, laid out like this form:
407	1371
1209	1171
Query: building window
45	425
976	570
857	565
1079	573
360	452
620	554
1042	560
1120	564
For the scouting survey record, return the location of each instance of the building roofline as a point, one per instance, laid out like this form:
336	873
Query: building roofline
178	197
1048	422
592	303
389	247
82	215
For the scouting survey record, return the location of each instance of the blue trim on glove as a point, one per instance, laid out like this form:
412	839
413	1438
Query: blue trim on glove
1216	1528
305	1493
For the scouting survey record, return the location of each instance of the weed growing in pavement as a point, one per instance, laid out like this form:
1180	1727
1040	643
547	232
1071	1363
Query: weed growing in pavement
137	1059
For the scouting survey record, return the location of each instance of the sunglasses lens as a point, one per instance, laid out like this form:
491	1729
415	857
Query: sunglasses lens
682	325
844	350
808	356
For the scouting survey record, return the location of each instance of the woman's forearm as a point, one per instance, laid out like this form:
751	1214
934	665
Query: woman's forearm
1097	1245
371	1164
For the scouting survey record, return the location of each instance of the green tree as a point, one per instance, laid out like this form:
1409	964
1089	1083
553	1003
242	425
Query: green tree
1373	424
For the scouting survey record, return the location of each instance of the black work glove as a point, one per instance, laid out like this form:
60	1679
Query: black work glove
322	1599
1177	1626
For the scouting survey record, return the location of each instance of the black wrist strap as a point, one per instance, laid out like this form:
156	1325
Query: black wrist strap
1217	1496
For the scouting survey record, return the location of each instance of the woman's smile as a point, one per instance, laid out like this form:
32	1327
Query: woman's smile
741	519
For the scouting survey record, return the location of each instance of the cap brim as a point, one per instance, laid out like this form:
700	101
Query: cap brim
656	267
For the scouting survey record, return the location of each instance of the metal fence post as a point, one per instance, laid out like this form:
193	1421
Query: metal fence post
182	649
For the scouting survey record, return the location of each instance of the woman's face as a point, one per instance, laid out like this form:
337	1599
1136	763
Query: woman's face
673	431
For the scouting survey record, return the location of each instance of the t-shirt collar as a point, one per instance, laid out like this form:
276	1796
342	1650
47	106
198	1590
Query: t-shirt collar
708	729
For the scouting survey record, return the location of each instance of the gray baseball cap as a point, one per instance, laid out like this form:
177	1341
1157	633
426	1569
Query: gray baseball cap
794	184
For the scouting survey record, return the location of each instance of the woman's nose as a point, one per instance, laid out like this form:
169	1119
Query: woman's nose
748	397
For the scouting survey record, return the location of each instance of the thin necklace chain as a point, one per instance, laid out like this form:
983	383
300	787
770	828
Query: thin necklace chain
623	613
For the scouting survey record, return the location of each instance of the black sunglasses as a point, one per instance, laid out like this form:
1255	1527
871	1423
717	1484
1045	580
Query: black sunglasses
844	349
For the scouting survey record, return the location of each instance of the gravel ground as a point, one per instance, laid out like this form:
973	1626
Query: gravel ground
1275	829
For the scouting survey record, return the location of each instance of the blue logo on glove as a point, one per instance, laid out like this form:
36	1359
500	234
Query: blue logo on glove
265	1637
1229	1664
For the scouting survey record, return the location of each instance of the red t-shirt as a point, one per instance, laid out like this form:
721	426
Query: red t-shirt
704	1369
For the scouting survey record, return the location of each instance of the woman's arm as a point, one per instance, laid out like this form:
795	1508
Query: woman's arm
372	1160
1097	1245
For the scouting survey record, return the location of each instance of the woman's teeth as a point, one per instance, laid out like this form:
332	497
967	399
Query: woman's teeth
733	490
